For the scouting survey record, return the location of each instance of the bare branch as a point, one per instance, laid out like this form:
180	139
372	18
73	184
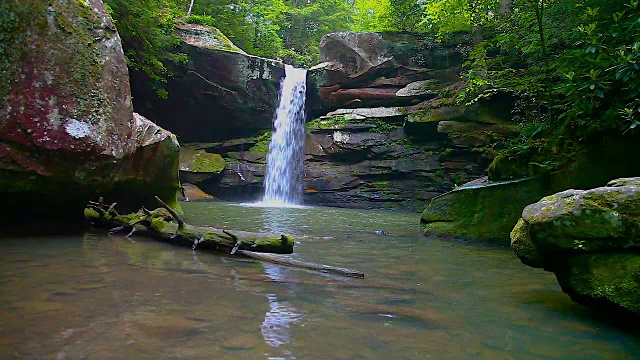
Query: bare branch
173	213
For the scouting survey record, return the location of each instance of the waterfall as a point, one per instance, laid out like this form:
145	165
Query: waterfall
284	172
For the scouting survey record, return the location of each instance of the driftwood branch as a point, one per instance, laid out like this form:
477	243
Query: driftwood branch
302	264
175	215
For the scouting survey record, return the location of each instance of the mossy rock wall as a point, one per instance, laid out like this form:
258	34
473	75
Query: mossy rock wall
490	212
486	212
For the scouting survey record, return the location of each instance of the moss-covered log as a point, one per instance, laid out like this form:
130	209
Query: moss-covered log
164	225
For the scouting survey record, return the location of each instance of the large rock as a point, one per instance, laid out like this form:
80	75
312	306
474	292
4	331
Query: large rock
365	158
220	94
590	240
481	211
382	69
348	56
67	129
489	212
197	165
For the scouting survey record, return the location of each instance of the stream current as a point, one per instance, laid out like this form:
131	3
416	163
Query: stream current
99	297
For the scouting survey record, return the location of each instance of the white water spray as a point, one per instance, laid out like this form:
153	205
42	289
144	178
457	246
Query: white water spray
284	173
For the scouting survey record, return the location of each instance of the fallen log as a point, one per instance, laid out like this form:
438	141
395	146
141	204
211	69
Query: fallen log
164	224
302	264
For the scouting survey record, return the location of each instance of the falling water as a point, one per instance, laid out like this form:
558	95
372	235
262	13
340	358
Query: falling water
283	179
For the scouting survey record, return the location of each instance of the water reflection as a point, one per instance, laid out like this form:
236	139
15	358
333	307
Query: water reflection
103	297
276	327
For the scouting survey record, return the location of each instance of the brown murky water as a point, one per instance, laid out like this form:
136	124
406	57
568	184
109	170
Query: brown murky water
101	297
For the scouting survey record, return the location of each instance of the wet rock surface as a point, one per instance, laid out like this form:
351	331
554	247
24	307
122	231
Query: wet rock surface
386	133
383	130
590	240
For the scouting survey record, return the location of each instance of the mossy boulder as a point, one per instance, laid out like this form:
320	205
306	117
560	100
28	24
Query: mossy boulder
206	37
486	212
201	161
194	193
590	240
197	165
67	128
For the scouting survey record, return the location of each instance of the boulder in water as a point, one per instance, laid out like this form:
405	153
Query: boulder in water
590	240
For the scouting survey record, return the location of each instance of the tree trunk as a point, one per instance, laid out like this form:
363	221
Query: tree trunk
302	264
190	8
506	6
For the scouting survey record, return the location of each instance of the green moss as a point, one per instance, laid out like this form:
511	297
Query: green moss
284	241
216	40
604	278
201	161
330	123
262	144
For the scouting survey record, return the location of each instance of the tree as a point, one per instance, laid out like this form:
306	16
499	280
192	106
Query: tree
190	8
146	28
372	15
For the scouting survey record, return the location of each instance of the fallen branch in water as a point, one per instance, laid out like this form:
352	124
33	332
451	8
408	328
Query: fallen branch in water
164	224
301	264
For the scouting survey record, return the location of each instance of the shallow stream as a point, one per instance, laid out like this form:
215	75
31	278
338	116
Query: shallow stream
101	297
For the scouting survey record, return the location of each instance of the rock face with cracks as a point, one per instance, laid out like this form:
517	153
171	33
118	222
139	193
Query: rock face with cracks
221	93
67	128
590	240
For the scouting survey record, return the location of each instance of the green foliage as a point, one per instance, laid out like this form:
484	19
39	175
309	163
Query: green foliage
601	75
372	15
289	30
576	70
8	36
146	28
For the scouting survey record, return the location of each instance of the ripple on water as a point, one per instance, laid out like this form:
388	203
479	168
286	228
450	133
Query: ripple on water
101	297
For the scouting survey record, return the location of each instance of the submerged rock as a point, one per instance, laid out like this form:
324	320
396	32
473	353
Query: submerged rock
67	128
590	240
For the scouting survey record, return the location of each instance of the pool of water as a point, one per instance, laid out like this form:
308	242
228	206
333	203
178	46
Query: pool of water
101	297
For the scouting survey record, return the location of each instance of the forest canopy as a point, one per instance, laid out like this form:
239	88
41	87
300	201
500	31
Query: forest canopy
573	60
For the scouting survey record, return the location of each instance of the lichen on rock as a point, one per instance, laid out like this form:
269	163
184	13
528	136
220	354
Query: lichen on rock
66	118
590	240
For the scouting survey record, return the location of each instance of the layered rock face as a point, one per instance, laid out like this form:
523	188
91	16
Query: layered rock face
220	94
383	130
590	240
67	128
383	69
392	138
